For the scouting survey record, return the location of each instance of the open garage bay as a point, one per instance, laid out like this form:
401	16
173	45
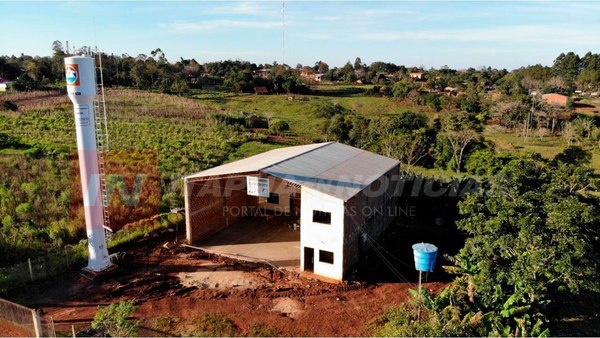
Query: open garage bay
270	239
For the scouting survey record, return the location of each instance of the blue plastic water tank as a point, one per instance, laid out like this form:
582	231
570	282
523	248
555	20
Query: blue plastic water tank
425	255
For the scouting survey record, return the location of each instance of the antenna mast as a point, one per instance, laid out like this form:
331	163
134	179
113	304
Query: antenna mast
283	33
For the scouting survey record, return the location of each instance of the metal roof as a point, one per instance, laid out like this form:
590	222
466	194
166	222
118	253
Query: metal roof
332	168
256	162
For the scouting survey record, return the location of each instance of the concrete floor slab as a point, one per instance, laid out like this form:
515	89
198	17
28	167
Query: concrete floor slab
258	239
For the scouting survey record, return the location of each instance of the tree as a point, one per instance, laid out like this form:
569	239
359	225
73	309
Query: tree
401	89
408	121
484	162
569	133
509	112
459	132
321	67
413	147
114	319
358	64
459	140
588	79
532	239
542	132
574	155
567	65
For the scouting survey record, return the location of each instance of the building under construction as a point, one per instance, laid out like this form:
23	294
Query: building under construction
314	206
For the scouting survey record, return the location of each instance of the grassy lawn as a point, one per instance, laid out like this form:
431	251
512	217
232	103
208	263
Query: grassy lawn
300	110
436	173
252	148
548	147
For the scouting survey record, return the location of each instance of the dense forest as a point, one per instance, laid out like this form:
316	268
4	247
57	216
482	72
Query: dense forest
532	228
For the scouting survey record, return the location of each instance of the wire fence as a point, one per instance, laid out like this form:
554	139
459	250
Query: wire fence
16	319
75	257
40	268
47	326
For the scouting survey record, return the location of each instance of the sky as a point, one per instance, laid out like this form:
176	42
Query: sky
459	34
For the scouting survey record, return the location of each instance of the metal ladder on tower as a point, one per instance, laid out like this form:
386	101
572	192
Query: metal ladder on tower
101	138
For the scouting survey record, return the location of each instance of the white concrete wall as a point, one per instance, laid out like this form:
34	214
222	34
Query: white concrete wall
186	199
328	237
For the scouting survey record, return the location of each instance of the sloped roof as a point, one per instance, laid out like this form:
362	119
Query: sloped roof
332	168
256	162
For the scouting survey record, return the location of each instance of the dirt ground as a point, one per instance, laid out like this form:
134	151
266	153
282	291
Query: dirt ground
8	330
175	284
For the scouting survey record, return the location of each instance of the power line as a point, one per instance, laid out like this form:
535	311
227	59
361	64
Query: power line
378	248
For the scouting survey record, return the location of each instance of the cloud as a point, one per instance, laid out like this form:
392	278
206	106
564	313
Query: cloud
560	8
387	12
246	8
314	36
229	54
329	18
512	34
217	24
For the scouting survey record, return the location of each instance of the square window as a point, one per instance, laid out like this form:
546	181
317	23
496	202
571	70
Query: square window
273	198
321	217
326	256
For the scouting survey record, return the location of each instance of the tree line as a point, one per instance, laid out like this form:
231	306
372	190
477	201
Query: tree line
154	71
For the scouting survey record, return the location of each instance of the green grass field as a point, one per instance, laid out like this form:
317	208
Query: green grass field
548	147
301	110
301	113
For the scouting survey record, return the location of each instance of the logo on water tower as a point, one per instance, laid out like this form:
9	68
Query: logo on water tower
72	74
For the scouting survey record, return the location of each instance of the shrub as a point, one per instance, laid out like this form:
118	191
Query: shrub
166	324
114	319
9	105
279	127
32	153
7	141
328	110
262	330
215	325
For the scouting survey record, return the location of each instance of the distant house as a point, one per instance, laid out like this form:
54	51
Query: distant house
556	99
450	91
4	84
311	76
416	75
262	73
261	90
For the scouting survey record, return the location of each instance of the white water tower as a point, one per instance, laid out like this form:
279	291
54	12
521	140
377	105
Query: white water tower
81	88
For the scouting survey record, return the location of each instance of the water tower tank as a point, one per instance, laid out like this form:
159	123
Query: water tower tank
425	255
81	88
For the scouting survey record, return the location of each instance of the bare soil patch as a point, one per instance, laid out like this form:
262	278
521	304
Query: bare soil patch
175	287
